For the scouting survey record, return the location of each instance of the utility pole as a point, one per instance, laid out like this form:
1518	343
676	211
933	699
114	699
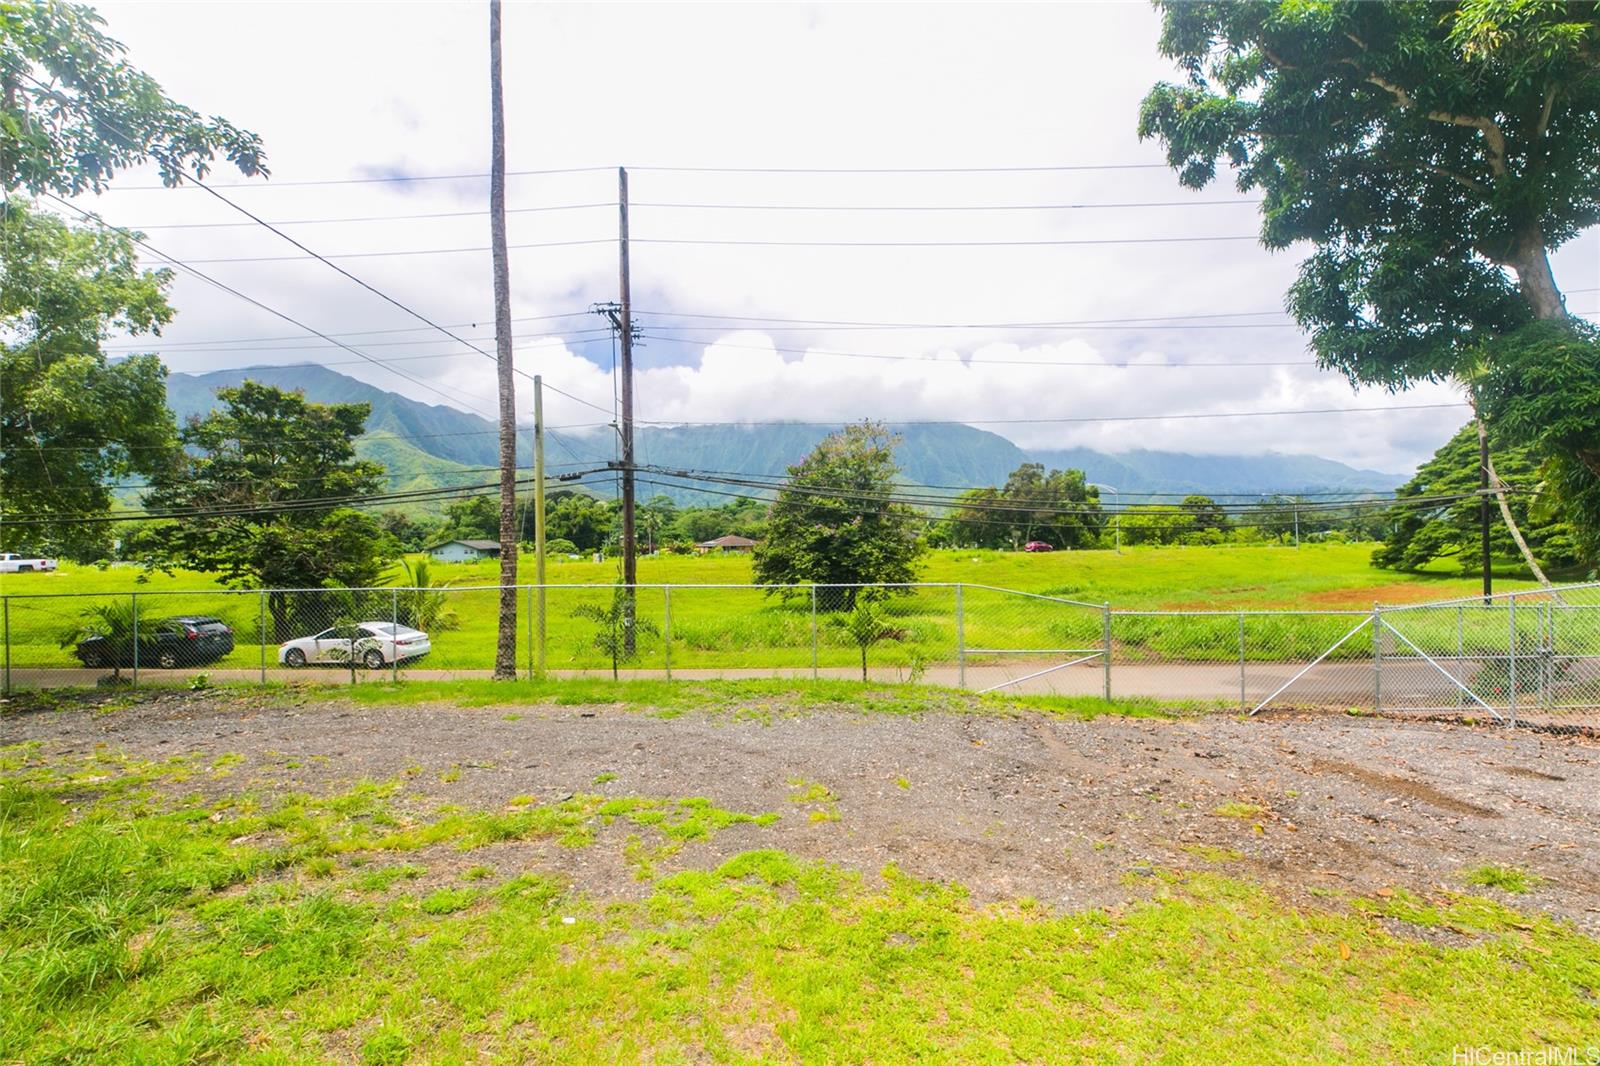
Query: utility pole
538	519
1483	511
505	655
630	570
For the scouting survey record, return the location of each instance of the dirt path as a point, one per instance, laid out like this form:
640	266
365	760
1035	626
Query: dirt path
1073	813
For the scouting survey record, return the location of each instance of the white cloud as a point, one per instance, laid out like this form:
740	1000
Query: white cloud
347	89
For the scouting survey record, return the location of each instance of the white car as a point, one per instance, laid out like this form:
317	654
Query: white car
372	644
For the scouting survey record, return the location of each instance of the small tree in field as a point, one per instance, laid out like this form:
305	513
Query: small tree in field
833	522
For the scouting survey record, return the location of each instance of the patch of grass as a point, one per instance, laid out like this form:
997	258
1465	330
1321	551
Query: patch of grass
601	779
477	873
755	698
134	933
1506	878
1211	853
380	878
1239	809
448	900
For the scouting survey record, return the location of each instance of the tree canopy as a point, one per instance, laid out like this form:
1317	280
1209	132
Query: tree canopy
832	522
74	111
72	422
1432	154
1057	506
1419	535
257	486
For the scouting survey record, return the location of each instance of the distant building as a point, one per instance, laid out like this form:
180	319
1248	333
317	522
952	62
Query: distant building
465	551
725	544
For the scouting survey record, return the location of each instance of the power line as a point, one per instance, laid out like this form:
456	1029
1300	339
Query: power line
975	363
1050	243
351	333
1074	420
1067	242
1048	169
313	504
366	218
473	175
661	205
377	180
133	143
208	279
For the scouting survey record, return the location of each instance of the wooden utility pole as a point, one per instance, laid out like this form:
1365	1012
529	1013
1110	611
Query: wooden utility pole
505	654
630	566
538	519
1483	509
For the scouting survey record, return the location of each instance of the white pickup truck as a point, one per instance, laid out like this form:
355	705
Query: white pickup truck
20	564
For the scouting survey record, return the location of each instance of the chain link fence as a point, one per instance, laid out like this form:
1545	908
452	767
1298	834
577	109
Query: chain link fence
1529	657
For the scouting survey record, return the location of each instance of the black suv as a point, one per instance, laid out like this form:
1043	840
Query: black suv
166	643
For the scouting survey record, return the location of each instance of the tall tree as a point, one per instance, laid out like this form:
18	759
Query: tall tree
257	488
1432	154
73	112
833	522
1057	506
1419	534
505	653
72	422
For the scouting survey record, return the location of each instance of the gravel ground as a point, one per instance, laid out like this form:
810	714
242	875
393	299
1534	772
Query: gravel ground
1070	812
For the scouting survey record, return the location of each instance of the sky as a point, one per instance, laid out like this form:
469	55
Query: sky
723	114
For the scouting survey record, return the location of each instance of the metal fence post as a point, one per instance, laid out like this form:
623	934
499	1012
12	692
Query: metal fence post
1461	652
1547	659
5	611
1511	660
529	612
1105	636
394	634
261	635
1242	700
1377	659
134	596
666	639
961	638
814	632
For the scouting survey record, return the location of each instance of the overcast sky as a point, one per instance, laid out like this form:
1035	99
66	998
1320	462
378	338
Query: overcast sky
341	91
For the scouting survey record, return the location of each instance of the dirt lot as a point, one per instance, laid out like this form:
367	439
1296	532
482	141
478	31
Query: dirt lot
1074	813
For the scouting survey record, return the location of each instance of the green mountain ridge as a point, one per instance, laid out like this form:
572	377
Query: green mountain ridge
431	445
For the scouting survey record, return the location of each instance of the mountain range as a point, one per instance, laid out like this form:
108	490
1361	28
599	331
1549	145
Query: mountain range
429	445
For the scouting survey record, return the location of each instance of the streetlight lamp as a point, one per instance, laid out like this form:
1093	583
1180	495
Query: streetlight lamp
1117	515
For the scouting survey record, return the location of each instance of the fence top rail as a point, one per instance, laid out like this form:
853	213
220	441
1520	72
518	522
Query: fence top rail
1036	596
592	585
1235	614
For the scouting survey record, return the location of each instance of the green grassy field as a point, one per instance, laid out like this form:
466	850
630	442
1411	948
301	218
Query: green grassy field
744	627
250	929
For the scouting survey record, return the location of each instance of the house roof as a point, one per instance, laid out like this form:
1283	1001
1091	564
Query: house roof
481	545
730	541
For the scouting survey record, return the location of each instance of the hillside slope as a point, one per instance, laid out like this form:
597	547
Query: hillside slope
432	444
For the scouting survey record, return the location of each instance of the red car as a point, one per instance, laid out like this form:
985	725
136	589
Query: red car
1037	546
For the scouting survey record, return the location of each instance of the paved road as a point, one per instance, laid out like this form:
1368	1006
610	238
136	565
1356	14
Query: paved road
1406	684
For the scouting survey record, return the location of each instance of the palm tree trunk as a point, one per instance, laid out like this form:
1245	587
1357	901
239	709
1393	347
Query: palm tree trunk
1499	489
505	654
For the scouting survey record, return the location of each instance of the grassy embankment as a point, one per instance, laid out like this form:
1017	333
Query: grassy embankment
720	628
355	927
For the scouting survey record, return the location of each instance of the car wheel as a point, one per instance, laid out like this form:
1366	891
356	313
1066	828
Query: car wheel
295	657
167	660
374	660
